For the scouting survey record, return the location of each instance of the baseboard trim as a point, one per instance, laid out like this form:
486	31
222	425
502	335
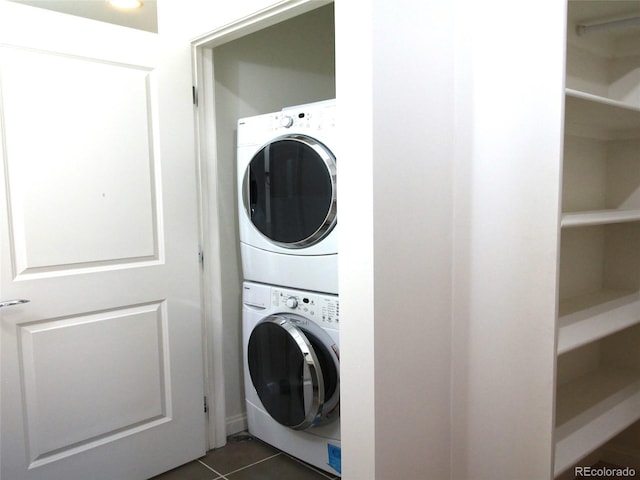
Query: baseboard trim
236	424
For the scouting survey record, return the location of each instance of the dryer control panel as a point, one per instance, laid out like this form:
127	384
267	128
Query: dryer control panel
313	116
321	308
310	119
306	119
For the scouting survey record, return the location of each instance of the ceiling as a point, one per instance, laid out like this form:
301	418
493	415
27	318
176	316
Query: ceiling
144	18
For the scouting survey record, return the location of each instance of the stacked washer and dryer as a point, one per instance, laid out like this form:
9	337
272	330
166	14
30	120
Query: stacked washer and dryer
287	197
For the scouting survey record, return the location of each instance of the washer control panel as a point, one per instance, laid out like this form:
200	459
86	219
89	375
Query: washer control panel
321	308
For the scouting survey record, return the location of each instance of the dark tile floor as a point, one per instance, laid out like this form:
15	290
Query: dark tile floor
245	458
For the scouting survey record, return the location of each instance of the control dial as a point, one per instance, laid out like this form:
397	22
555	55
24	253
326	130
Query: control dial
291	302
286	121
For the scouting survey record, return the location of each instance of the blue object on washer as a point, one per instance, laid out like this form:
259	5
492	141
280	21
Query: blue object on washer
335	457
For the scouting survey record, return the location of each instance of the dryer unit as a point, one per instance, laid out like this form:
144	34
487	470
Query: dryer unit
292	372
287	197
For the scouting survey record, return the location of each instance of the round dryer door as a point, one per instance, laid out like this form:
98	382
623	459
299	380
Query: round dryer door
290	191
295	373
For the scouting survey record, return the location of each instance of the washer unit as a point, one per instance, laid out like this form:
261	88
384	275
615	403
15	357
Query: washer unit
292	371
287	197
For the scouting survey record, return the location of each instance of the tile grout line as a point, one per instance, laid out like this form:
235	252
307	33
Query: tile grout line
246	466
220	475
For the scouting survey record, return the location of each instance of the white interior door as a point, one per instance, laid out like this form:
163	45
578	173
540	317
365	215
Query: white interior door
102	369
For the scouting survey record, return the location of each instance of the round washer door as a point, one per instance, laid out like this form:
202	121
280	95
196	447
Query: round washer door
290	191
295	374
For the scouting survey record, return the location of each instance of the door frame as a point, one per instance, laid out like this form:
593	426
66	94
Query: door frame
202	49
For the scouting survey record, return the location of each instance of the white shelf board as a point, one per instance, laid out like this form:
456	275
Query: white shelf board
600	112
593	409
598	217
590	317
598	99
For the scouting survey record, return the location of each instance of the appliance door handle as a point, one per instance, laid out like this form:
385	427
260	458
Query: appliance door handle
312	376
11	303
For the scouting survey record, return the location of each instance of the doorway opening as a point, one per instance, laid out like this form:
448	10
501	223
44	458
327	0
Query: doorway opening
279	57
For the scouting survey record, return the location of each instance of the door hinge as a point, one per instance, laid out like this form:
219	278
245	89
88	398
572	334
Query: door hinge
201	258
206	405
194	94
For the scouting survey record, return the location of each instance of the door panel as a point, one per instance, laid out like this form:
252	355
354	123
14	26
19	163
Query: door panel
102	369
129	396
109	217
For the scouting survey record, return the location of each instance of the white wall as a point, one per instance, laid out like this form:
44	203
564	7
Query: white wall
354	93
509	97
395	94
192	18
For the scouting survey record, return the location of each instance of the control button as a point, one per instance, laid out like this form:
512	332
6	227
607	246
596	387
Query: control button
286	121
292	302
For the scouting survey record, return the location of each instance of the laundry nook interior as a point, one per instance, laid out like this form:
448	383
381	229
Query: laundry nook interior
288	64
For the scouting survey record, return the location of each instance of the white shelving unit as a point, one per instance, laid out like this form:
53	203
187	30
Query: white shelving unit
598	366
